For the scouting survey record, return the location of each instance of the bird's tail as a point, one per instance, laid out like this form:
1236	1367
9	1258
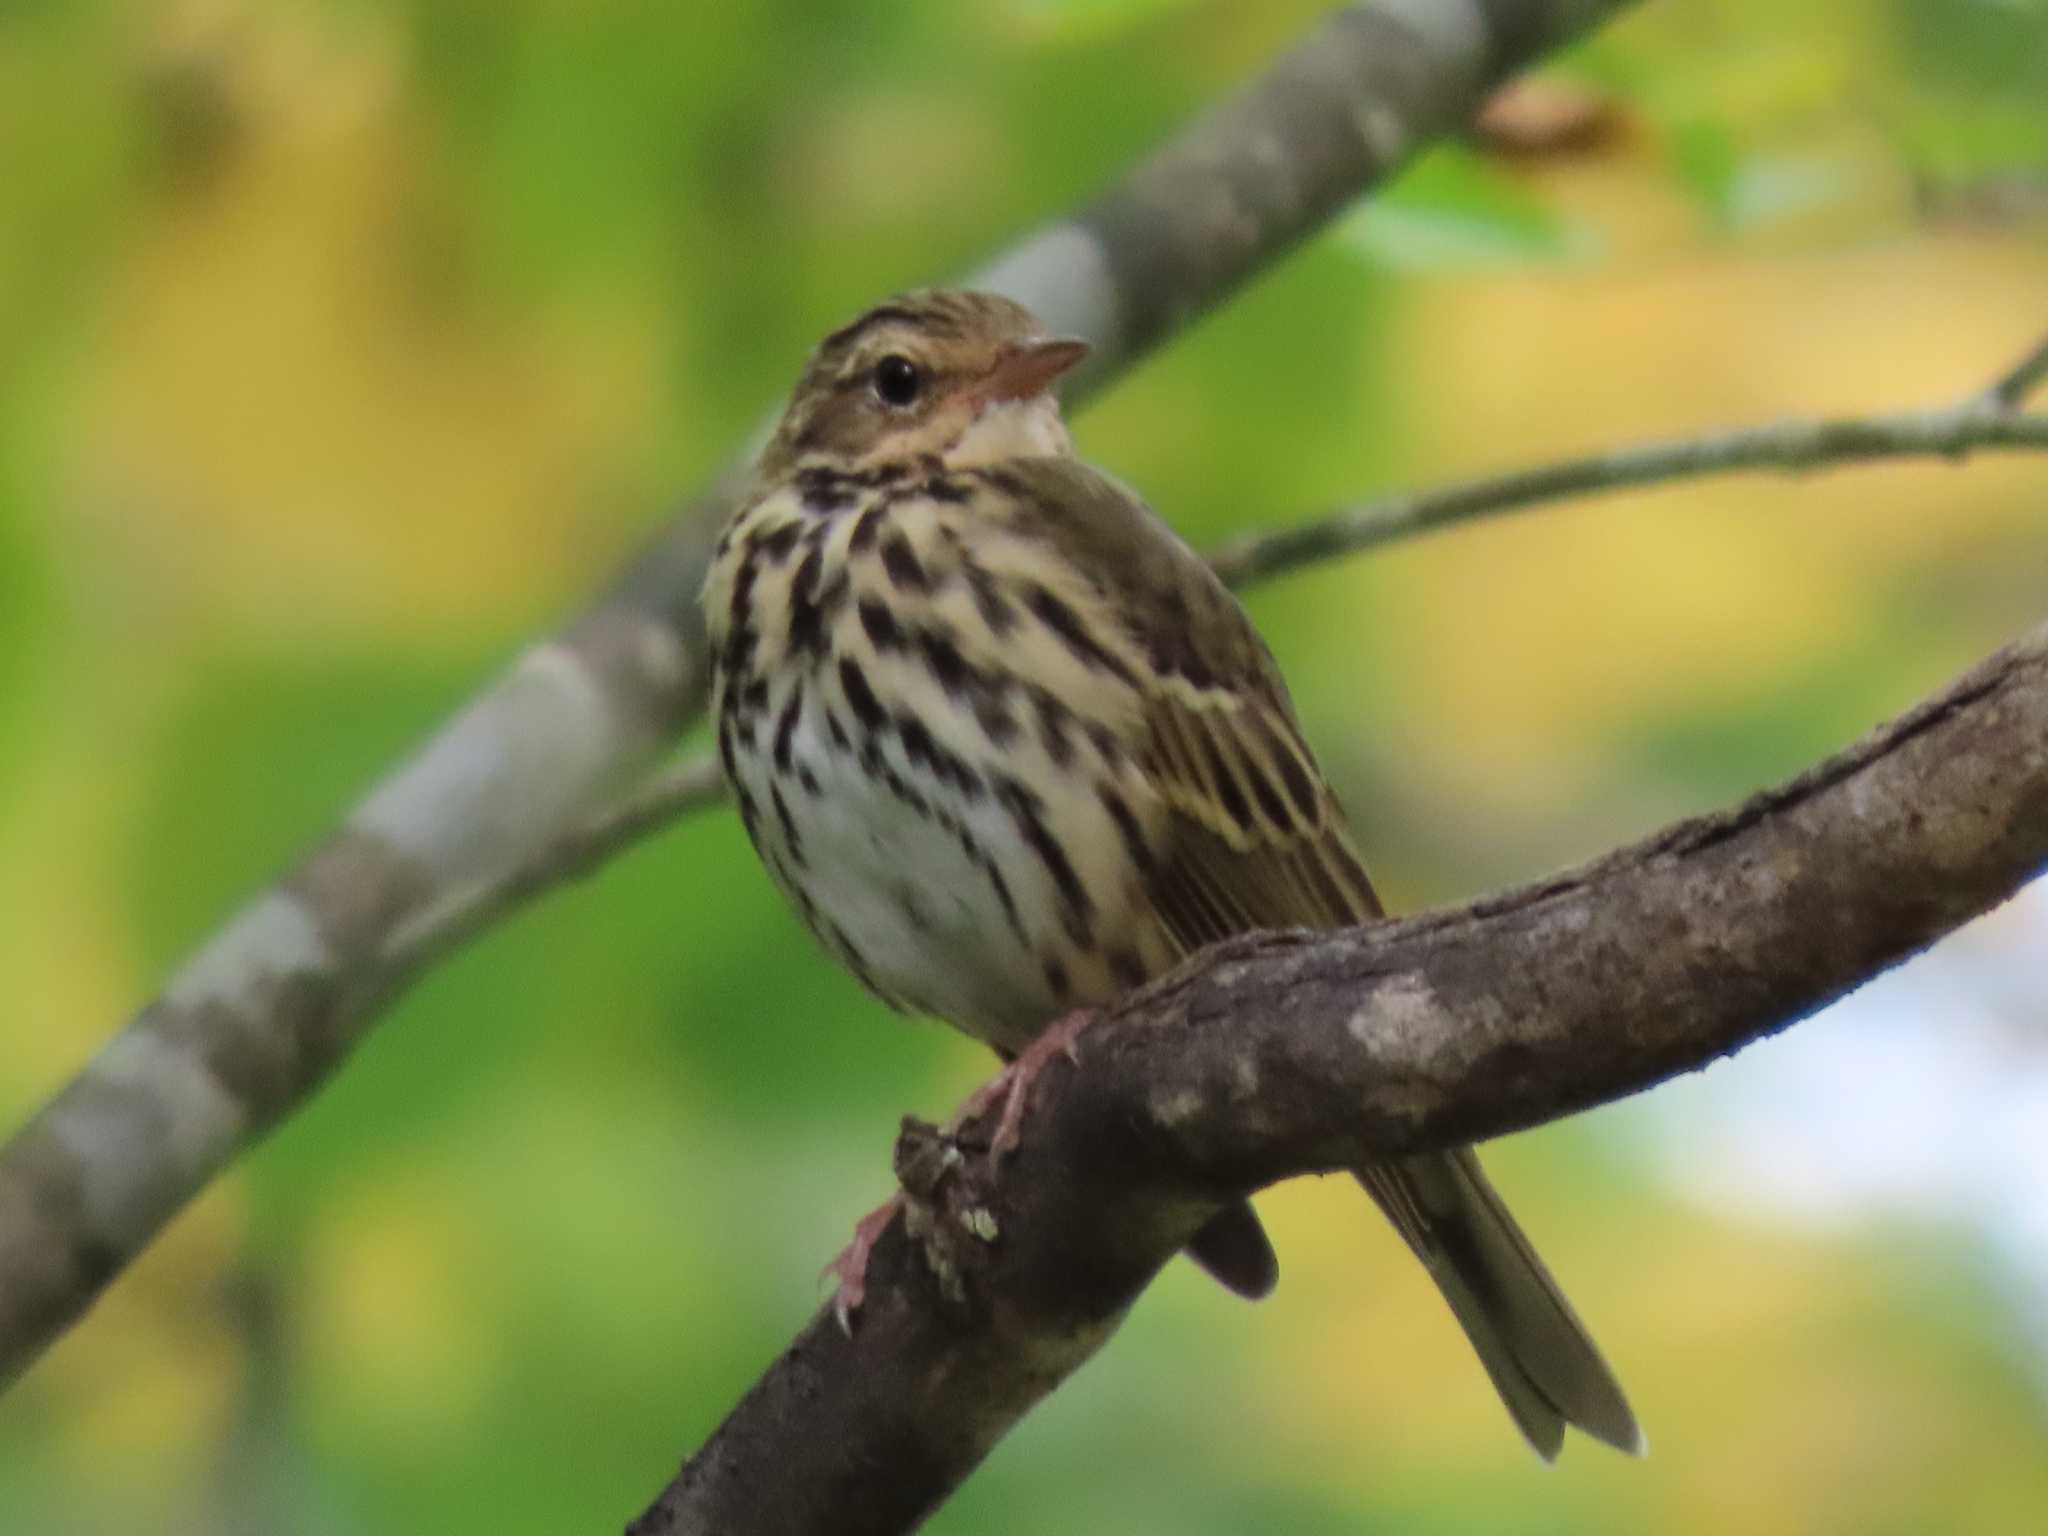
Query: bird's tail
1543	1363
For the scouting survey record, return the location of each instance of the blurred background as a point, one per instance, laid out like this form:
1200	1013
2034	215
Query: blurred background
344	344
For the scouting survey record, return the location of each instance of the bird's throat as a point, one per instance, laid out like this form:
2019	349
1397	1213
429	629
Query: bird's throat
1011	429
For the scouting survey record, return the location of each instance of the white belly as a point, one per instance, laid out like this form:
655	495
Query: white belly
905	883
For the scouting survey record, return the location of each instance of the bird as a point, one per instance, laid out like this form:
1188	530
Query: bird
1011	749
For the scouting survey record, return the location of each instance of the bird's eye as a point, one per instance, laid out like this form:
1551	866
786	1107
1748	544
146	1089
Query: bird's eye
898	381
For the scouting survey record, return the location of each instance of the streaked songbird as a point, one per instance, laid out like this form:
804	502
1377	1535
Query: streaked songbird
1011	749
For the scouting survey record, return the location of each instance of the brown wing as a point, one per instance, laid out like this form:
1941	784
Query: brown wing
1255	839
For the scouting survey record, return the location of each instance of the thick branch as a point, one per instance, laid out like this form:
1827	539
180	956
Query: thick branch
1283	1054
261	1016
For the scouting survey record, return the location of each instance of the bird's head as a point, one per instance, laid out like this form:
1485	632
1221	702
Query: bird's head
964	376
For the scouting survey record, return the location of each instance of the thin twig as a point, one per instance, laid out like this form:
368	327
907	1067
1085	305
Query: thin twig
437	932
1791	446
2025	376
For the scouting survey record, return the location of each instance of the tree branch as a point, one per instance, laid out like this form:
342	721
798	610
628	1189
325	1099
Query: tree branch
1292	1053
1794	447
2020	380
264	1012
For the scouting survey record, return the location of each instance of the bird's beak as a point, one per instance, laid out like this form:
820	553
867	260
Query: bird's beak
1028	367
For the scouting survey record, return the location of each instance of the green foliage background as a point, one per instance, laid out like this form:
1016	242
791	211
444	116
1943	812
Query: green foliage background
346	343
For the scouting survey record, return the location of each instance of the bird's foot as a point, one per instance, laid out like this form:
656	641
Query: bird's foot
1012	1086
851	1266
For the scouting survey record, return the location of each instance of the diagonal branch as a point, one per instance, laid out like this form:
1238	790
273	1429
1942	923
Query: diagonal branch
261	1016
2020	380
1291	1053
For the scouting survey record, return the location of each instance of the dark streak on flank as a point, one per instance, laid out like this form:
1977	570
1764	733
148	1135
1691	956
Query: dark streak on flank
995	719
875	766
806	612
902	791
812	609
995	610
1127	827
1067	627
1053	719
741	608
918	747
860	697
739	640
856	962
785	728
867	530
912	909
954	673
883	632
996	882
1107	747
971	785
1077	910
905	570
921	749
738	656
789	833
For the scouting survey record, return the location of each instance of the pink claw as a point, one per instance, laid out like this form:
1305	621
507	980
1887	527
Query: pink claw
1012	1086
851	1265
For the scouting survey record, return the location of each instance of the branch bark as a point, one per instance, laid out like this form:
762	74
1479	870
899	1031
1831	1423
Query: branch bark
261	1016
1291	1053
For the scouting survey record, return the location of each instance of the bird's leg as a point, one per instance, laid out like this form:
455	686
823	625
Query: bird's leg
851	1266
1012	1086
